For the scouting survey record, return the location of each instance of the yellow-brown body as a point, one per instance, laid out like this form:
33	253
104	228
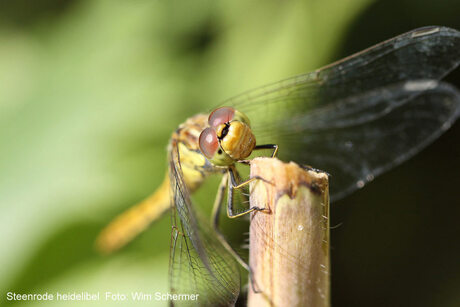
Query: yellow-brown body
195	168
236	140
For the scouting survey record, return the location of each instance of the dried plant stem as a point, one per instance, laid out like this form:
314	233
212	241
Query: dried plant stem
289	244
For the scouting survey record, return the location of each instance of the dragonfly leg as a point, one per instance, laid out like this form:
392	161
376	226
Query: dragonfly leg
259	147
268	146
175	229
215	222
254	285
218	202
233	184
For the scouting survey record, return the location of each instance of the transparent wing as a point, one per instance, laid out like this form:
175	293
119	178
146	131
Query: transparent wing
199	264
364	114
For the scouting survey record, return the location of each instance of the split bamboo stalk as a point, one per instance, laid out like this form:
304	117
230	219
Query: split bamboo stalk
289	244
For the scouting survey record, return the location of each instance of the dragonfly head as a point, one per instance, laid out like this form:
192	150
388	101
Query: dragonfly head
229	137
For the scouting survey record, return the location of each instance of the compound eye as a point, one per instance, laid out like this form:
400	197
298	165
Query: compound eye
208	142
221	116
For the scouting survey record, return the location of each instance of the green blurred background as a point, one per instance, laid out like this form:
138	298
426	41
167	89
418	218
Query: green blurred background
90	92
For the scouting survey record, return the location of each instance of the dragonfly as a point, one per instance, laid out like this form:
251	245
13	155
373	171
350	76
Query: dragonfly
355	119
